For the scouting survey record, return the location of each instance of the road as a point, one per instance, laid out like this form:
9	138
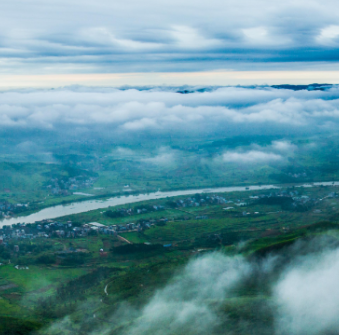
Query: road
123	239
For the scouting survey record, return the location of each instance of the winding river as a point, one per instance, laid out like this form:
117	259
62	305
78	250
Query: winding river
88	205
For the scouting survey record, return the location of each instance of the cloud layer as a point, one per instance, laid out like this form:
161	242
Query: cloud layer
225	111
85	36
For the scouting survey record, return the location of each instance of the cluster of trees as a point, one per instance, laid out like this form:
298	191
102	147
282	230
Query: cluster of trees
24	248
286	203
34	248
121	213
136	248
217	240
46	259
14	326
67	295
74	259
77	287
114	214
4	253
282	201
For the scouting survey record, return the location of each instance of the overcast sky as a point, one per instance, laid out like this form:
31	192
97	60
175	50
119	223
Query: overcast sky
89	37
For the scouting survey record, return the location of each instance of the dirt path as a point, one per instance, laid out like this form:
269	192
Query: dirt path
105	289
8	286
123	239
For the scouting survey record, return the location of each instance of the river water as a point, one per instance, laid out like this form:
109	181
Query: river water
88	205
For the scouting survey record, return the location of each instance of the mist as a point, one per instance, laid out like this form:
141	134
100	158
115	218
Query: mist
295	294
304	298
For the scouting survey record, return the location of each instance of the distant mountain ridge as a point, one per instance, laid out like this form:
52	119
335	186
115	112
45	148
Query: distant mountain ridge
310	87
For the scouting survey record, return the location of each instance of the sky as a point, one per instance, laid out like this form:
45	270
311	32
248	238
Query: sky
220	42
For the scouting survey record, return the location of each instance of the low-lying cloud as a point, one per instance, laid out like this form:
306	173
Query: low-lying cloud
304	298
277	151
184	305
252	156
307	296
115	113
164	158
294	292
283	146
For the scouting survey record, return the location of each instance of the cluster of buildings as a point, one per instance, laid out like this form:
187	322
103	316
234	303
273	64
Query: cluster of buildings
46	229
7	209
201	200
140	226
297	200
55	229
61	186
138	210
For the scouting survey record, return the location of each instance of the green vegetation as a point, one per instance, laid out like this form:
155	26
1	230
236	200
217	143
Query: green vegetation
27	180
131	273
70	280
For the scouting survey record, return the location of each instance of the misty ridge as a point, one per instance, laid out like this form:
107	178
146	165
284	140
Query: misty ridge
292	291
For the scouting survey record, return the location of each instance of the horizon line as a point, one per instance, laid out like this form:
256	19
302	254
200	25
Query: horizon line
203	78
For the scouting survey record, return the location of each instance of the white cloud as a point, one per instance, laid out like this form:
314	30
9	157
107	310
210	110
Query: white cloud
164	157
283	146
277	151
307	296
124	151
328	35
183	306
140	124
251	157
259	36
189	38
231	110
295	289
102	36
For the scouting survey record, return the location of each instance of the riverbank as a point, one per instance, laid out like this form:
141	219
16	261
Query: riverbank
88	205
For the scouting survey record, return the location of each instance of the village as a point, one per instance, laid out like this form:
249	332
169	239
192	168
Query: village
66	186
8	209
289	200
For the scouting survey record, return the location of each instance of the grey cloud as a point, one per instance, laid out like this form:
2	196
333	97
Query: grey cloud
103	36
